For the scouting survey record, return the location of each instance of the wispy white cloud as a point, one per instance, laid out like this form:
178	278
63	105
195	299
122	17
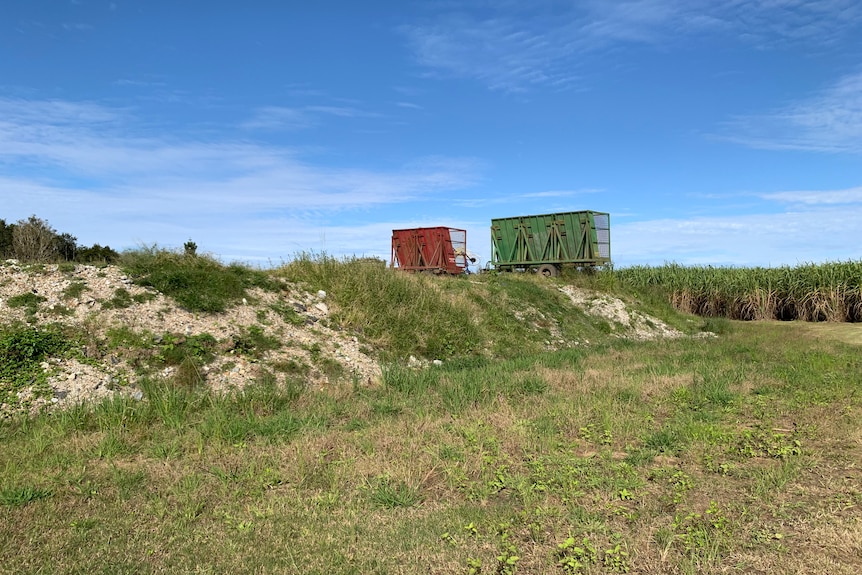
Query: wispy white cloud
771	22
77	26
560	193
55	112
764	23
499	199
278	118
829	197
808	225
499	52
342	111
512	46
95	172
285	118
138	83
754	239
830	121
87	167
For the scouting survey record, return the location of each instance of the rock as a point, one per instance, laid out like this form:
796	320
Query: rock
321	294
322	308
437	362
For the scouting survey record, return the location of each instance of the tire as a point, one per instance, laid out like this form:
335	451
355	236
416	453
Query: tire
548	270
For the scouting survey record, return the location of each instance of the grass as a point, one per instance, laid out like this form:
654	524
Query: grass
404	314
401	313
29	301
520	453
197	282
18	496
733	454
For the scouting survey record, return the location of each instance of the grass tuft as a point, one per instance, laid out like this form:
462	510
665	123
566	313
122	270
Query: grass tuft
18	496
197	282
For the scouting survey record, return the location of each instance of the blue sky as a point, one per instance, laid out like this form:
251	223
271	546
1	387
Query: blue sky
714	132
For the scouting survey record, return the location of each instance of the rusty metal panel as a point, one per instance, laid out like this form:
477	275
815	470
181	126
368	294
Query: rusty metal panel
437	249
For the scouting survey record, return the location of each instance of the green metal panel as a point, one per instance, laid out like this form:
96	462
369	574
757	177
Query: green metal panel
580	238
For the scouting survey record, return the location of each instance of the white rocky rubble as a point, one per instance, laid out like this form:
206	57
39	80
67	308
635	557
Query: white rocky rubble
81	296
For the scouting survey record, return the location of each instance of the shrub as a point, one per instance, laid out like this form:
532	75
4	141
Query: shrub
33	240
67	246
96	253
22	348
6	231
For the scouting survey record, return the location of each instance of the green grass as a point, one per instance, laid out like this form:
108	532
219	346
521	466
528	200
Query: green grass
521	452
29	301
197	282
18	496
398	312
719	455
402	314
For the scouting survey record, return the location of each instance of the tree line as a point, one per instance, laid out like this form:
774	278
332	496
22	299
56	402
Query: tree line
34	240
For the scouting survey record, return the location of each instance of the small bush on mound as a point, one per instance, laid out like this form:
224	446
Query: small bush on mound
253	342
196	282
175	349
120	300
22	349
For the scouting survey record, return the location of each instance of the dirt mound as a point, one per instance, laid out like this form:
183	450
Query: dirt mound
102	301
123	326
